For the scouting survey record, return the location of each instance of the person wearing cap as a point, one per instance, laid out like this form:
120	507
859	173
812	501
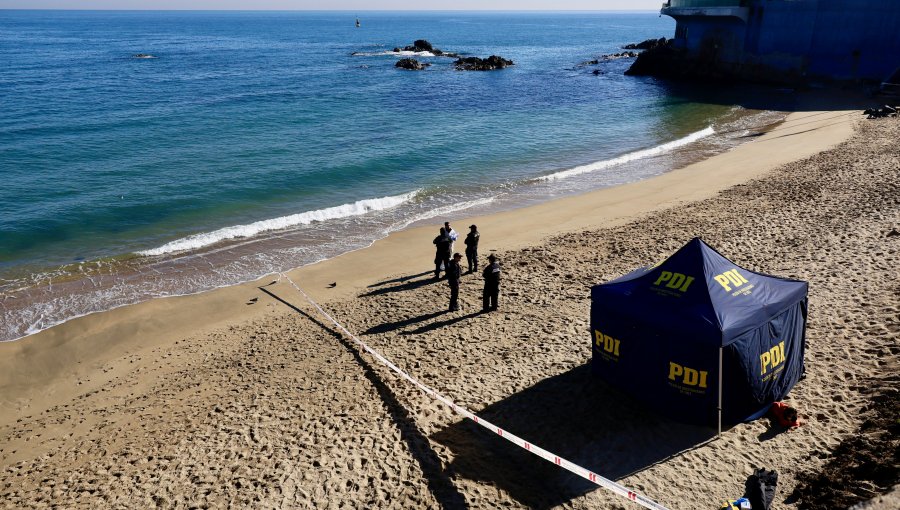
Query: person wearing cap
454	272
442	253
472	248
491	276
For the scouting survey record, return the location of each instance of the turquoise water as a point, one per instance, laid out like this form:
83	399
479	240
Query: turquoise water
260	141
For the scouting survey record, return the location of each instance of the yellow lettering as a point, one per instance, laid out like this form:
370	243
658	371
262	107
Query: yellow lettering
608	343
734	277
723	281
676	281
675	370
764	361
691	377
663	277
687	283
703	375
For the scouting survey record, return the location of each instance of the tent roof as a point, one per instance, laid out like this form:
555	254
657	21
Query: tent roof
698	287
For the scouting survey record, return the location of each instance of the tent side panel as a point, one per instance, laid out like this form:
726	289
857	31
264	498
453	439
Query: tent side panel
763	364
665	368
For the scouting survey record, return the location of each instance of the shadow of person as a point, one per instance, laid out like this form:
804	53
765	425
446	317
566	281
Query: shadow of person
440	324
408	285
399	280
775	429
391	326
572	415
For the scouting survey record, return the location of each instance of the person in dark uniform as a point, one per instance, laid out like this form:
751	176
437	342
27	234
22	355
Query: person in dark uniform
454	272
491	276
442	254
472	248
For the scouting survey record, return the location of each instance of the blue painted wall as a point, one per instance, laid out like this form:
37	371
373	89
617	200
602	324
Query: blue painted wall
839	39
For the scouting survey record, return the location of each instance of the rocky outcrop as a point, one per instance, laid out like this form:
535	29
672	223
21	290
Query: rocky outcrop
482	64
411	64
649	44
617	56
609	57
704	64
421	45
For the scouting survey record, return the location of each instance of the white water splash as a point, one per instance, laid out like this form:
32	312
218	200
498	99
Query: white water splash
653	151
305	218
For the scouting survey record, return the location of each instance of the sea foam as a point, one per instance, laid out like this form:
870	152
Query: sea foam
305	218
631	156
401	53
443	211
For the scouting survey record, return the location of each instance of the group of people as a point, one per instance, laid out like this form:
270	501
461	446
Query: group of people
447	260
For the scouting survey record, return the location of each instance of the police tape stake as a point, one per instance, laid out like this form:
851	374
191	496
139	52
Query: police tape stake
505	434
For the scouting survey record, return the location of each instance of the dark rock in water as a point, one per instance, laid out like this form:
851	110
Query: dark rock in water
418	46
607	58
667	61
421	45
617	56
649	44
142	55
596	72
411	64
479	64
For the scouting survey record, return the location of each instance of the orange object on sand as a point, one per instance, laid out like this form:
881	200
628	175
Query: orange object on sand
786	415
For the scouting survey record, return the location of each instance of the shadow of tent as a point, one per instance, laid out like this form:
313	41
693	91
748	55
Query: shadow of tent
574	416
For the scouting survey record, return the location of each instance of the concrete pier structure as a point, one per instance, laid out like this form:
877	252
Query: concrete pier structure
790	40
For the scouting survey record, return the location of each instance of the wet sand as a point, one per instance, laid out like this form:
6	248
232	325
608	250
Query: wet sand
244	396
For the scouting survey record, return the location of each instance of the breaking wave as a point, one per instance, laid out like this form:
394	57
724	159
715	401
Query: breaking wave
357	208
402	53
607	163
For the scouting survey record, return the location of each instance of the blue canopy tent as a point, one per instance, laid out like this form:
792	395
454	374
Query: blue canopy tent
664	334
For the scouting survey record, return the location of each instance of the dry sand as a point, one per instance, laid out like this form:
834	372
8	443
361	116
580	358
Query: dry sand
208	401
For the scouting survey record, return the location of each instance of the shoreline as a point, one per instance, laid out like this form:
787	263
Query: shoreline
272	407
39	298
95	338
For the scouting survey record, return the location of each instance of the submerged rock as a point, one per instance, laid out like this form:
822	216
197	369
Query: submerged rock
617	56
411	64
479	64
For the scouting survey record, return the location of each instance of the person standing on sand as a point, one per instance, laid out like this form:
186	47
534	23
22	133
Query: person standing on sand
442	254
472	248
491	292
452	234
454	272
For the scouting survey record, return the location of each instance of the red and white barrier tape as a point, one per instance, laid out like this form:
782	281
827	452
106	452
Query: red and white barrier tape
512	438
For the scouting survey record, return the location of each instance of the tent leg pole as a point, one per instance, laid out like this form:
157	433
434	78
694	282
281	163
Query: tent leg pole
720	391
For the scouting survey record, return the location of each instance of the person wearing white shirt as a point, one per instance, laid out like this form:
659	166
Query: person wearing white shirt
451	234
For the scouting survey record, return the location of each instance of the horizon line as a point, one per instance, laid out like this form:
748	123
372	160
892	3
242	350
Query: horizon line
327	10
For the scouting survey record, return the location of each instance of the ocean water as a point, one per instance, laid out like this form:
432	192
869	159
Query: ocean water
255	142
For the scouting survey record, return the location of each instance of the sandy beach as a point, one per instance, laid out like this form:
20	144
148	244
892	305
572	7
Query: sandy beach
246	397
